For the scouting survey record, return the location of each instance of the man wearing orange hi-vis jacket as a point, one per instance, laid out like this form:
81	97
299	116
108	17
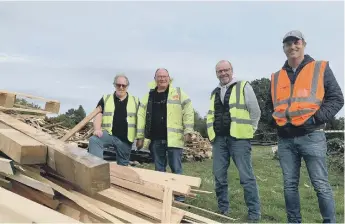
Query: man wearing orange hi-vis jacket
166	119
304	96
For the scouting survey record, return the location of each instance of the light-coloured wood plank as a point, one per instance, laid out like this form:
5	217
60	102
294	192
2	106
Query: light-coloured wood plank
113	210
88	172
31	182
6	166
78	200
167	204
162	177
125	173
141	204
22	148
150	189
52	106
34	195
7	99
17	206
25	110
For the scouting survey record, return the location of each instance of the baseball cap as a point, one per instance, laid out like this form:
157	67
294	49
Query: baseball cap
295	34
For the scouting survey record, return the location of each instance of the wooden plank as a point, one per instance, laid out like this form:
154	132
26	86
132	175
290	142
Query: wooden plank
22	148
52	106
150	189
78	200
167	204
27	96
162	177
81	124
17	206
25	110
198	218
5	183
204	210
34	195
125	173
7	99
6	166
113	210
71	209
141	204
88	172
31	182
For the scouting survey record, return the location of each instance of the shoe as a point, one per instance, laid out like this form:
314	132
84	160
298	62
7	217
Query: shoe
253	220
226	213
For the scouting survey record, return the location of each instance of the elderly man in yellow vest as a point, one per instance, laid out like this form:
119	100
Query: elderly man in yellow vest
166	118
231	122
116	125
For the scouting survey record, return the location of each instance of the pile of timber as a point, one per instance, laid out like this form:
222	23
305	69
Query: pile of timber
61	182
198	150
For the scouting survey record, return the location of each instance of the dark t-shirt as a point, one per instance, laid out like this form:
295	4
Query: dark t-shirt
159	115
119	119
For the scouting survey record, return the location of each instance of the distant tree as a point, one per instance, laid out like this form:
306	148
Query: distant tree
200	124
71	118
264	132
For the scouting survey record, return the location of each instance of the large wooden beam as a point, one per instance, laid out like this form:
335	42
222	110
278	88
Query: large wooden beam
22	148
86	171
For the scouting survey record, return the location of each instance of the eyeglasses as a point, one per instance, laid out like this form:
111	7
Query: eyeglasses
120	85
223	70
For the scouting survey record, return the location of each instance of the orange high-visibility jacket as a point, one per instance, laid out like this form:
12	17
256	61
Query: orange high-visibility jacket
296	103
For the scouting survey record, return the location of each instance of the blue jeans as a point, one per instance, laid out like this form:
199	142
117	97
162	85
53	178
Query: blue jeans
312	148
240	152
122	149
162	154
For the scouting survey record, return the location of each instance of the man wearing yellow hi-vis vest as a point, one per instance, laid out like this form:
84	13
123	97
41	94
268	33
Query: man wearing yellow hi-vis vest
116	125
232	119
166	119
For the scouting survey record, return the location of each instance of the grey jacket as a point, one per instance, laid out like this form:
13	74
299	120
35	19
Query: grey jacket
250	100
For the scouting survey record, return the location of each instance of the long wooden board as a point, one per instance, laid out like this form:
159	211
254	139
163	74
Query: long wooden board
88	172
162	177
113	210
125	173
15	207
22	148
141	204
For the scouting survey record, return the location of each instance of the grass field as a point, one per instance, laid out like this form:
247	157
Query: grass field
269	179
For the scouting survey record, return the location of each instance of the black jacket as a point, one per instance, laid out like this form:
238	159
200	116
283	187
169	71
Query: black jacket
331	105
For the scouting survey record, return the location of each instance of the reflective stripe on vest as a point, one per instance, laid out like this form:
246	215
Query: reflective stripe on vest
109	108
241	124
296	103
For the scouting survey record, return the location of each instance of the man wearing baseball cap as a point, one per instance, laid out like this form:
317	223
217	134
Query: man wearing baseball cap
304	96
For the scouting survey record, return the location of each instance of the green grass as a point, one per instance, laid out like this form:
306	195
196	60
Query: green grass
270	182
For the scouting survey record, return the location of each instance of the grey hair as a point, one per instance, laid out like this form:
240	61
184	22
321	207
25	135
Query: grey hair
121	75
232	68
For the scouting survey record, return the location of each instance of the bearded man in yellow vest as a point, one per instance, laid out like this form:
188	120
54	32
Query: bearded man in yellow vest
116	125
304	95
232	119
166	119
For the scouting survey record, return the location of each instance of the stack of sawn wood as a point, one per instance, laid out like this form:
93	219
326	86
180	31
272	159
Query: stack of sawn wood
44	179
199	149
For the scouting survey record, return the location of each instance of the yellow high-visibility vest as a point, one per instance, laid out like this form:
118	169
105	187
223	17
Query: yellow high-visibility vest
241	124
108	113
180	116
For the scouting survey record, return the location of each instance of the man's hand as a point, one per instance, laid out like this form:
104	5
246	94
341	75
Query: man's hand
188	138
140	143
98	133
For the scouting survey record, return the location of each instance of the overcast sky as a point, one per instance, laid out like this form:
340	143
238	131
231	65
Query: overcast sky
70	51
